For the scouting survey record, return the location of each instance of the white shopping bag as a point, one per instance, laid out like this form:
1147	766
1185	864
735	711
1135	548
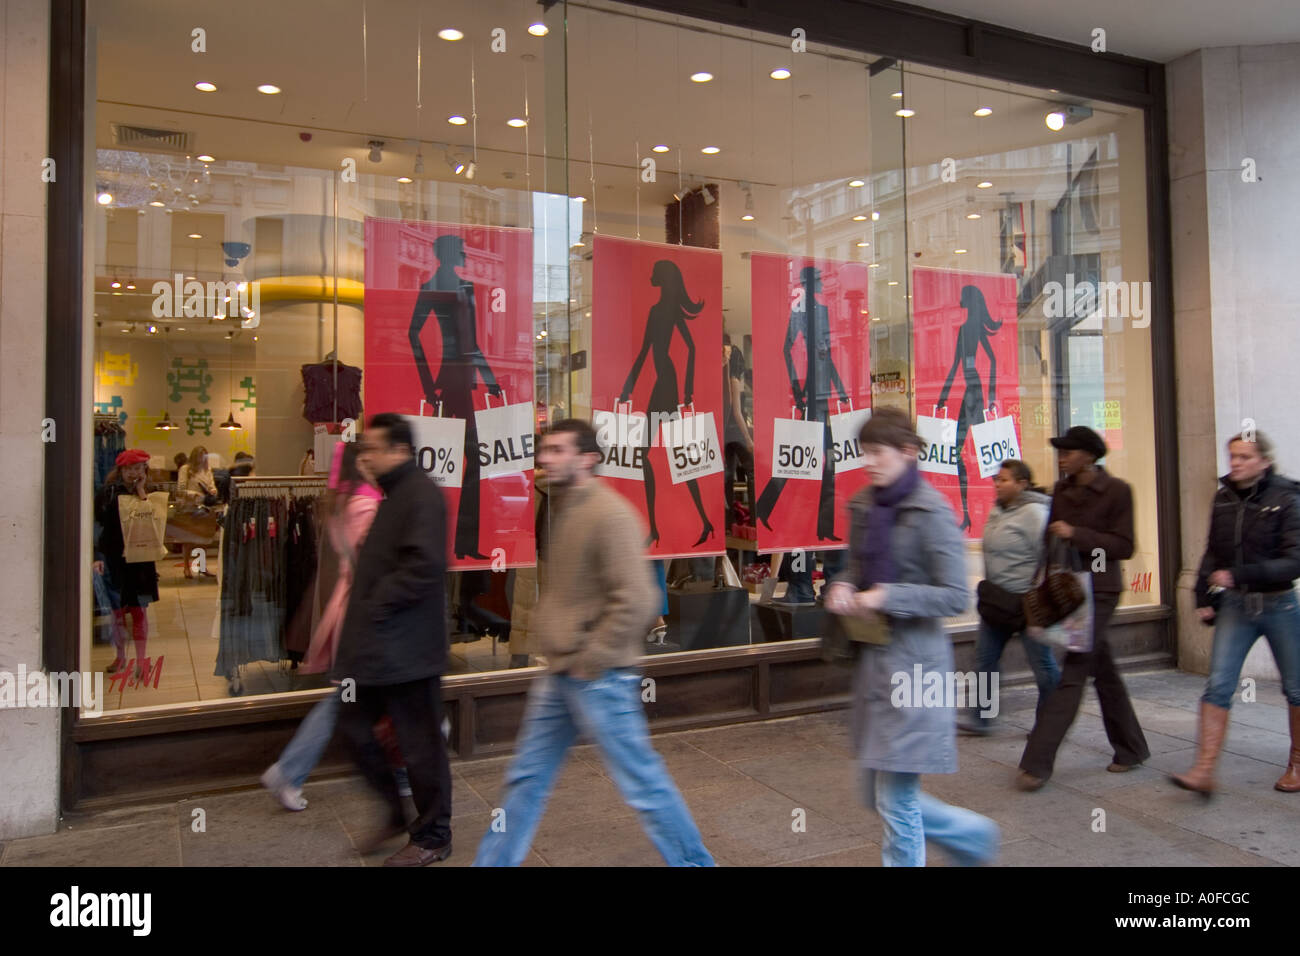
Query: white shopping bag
505	438
144	526
621	435
845	426
691	442
1074	631
439	447
995	442
940	437
797	450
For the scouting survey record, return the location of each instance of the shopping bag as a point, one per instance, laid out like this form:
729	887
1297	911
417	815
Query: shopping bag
144	526
940	436
797	448
505	438
1074	631
691	443
995	441
439	447
621	434
845	426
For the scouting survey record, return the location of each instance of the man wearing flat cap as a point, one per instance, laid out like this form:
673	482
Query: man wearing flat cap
1092	514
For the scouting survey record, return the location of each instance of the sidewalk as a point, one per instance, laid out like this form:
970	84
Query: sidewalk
745	783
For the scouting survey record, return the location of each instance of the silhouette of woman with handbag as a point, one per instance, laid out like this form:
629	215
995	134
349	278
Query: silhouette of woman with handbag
972	336
667	315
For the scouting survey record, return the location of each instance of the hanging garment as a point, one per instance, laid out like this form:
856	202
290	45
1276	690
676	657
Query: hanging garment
319	394
300	549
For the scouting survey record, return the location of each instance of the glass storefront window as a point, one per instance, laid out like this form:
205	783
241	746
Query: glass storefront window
556	174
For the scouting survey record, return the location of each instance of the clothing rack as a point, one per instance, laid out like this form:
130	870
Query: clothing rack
276	485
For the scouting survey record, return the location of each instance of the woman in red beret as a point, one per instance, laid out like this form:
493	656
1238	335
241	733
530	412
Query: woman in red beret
136	584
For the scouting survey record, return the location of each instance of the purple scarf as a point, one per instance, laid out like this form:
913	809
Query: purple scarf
876	558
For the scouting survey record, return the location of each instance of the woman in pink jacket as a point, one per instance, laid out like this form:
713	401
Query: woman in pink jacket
350	506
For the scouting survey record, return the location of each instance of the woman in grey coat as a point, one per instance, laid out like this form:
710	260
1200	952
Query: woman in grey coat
906	566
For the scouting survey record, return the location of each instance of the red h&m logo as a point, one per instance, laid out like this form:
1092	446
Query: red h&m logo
1141	583
128	678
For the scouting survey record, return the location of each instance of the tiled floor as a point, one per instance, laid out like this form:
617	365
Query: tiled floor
745	785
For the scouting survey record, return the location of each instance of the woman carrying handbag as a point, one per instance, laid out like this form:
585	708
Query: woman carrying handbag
1092	511
1013	548
905	572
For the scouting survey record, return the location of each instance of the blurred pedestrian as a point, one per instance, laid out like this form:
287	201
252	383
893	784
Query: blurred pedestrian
1013	547
351	501
135	583
1245	588
597	600
905	572
1092	512
394	643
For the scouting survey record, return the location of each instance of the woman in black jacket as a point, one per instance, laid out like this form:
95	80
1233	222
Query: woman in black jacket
1244	587
135	583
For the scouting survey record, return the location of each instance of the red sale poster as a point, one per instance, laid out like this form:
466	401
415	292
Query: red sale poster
812	394
449	341
967	382
656	388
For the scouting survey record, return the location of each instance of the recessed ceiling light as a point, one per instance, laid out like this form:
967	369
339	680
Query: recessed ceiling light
972	215
104	198
983	111
195	235
984	185
270	89
863	245
579	198
855	183
896	95
457	120
701	77
892	282
874	265
905	112
538	29
206	87
710	150
180	329
115	284
875	216
780	74
661	148
205	158
130	286
451	33
516	122
859	218
157	202
959	252
747	217
405	179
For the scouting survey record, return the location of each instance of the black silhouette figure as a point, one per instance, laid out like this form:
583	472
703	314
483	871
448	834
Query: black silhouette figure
668	314
812	397
974	334
451	299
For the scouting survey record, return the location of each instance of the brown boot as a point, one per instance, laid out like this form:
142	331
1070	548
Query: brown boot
1214	726
1290	782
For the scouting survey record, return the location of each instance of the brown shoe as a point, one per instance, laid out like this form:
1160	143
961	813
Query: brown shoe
1029	783
1290	781
1214	727
1122	767
415	855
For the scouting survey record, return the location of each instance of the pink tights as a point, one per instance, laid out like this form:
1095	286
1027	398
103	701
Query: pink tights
122	631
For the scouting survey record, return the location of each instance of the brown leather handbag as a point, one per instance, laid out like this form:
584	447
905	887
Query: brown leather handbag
1056	591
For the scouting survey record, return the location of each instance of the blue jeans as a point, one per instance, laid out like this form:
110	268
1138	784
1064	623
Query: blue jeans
988	654
1241	620
911	817
309	742
609	711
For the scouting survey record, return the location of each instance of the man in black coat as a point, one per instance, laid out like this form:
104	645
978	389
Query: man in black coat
393	646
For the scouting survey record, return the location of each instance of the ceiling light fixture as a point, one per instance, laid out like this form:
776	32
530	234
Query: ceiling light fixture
855	183
896	95
205	158
157	202
130	286
104	198
701	77
115	284
579	198
376	150
959	252
1067	115
904	112
875	216
516	122
538	29
747	217
710	150
661	148
405	179
863	245
972	215
470	169
780	74
165	423
451	34
983	111
205	87
457	120
984	185
195	235
270	89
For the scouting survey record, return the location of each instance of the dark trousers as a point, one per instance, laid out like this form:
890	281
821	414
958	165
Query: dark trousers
415	708
1057	713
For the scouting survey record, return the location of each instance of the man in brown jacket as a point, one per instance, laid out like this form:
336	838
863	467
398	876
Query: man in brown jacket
598	598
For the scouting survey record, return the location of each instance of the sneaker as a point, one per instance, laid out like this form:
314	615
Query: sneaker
403	782
289	796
